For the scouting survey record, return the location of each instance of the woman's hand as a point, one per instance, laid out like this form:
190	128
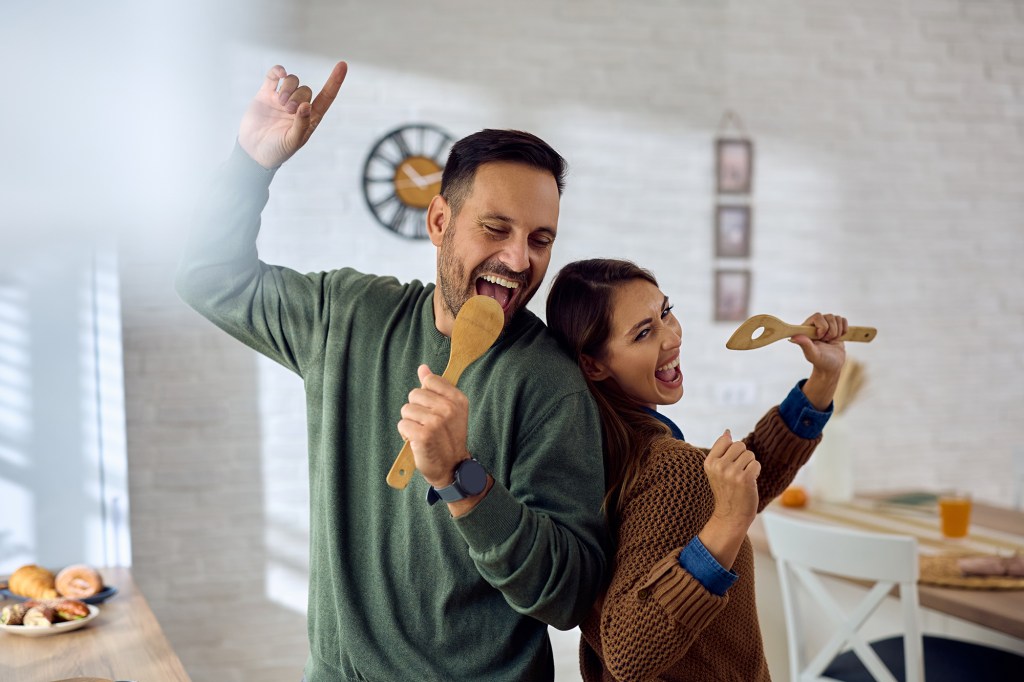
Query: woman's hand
826	353
732	471
827	356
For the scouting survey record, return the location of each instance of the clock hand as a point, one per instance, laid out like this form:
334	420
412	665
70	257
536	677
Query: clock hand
405	184
416	178
433	177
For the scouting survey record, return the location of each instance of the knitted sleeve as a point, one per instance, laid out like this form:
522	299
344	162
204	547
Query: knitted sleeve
780	452
653	609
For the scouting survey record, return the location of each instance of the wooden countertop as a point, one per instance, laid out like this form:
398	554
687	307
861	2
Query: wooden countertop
124	642
993	530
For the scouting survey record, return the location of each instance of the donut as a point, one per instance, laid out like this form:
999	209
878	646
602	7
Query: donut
79	581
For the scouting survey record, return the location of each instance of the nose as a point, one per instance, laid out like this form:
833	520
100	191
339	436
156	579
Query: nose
673	337
516	254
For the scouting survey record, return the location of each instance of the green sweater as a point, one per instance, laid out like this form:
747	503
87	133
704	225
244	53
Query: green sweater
399	590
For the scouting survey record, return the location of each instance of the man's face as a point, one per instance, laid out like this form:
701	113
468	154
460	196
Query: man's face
500	243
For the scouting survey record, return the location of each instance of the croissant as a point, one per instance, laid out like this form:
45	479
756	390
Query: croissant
79	581
33	581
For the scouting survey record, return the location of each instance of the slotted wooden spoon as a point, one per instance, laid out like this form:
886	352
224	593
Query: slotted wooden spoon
476	328
760	330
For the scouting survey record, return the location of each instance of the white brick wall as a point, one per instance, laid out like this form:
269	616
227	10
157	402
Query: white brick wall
888	164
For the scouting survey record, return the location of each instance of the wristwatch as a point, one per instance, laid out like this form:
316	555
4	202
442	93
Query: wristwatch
470	479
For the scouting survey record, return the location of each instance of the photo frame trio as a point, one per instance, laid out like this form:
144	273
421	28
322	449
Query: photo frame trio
733	220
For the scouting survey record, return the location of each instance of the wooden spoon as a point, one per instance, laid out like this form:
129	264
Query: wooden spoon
477	326
746	336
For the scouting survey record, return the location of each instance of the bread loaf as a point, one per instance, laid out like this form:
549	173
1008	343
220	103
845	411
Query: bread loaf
33	581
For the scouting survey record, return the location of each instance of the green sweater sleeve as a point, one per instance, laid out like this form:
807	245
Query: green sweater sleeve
540	540
272	309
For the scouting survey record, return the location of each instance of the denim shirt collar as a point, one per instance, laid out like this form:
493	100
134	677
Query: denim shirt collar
676	433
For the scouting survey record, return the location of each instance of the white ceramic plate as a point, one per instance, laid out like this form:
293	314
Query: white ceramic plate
56	629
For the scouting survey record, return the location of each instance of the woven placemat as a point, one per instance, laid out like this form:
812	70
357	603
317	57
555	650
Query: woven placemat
942	570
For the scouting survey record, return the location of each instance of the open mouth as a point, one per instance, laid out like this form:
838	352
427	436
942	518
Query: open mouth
669	373
500	289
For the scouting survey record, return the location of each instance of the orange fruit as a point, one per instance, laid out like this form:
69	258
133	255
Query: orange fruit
794	496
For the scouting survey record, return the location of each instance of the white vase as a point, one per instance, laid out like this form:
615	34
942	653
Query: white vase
832	464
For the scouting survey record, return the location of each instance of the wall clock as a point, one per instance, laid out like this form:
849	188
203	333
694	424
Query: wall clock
402	174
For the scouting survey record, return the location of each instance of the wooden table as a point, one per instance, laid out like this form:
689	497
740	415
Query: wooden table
993	530
124	642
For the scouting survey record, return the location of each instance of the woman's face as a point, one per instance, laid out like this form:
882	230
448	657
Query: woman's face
642	351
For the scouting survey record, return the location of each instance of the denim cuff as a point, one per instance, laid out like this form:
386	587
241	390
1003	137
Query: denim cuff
698	562
800	416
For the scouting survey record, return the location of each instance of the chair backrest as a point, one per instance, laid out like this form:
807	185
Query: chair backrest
803	549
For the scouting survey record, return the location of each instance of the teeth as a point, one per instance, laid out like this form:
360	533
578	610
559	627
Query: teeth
674	363
501	282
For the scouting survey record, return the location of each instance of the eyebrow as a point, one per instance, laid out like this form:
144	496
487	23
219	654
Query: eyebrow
647	320
496	216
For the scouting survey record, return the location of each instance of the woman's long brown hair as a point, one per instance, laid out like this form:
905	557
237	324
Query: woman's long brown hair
579	311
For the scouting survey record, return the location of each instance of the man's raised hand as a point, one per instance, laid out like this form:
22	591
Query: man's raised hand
283	115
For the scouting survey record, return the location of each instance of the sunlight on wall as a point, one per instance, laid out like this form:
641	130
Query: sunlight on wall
103	410
16	541
62	444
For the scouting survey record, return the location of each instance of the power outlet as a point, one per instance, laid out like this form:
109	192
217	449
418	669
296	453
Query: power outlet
735	393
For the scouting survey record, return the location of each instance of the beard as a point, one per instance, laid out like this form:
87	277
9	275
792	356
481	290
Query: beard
456	288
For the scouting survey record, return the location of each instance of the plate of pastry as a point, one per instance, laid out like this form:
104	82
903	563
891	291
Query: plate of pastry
79	581
35	618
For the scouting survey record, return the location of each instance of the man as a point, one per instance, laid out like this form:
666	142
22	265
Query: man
402	588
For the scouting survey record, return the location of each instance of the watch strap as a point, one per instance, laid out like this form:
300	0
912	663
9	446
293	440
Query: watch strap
470	480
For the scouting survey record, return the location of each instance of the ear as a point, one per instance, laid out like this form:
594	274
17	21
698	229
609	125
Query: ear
593	369
438	214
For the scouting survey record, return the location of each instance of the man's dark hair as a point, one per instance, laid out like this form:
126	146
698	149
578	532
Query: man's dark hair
488	146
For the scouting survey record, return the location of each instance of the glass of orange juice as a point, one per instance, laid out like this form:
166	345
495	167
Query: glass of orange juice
954	513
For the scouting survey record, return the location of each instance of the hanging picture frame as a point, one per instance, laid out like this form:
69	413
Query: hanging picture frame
732	231
732	295
734	165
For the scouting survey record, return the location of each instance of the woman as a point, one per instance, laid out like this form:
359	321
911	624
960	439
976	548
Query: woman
680	605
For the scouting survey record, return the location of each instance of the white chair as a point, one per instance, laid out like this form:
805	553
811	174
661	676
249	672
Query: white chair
802	549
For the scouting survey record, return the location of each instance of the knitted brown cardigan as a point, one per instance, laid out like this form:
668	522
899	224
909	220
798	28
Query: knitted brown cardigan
656	622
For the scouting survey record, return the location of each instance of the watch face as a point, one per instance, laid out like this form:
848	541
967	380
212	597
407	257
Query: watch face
472	477
402	174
